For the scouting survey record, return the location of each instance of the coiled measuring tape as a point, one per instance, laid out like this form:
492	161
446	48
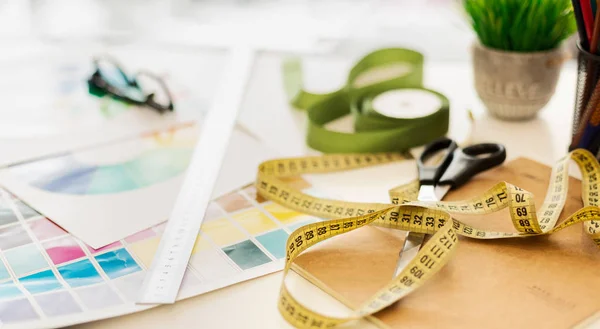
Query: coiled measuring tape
423	217
394	70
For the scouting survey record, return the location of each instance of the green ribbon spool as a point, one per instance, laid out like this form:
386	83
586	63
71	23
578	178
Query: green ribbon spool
374	132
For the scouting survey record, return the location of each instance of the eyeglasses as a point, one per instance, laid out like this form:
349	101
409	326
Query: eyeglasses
144	88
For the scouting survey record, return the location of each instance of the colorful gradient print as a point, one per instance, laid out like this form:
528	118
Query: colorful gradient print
157	159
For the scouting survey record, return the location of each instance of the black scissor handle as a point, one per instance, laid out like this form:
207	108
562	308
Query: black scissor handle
472	160
429	175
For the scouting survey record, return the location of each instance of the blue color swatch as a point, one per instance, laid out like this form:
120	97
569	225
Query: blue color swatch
40	282
117	263
81	273
274	242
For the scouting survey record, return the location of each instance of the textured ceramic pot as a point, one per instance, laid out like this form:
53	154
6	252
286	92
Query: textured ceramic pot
515	85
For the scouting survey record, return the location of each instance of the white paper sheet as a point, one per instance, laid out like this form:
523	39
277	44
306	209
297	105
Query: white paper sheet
83	202
48	109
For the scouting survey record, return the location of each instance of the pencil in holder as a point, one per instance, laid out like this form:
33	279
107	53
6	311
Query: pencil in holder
586	117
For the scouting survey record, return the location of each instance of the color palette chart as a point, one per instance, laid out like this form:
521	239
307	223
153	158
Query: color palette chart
48	278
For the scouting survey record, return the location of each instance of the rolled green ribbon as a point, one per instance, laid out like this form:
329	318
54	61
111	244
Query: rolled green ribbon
374	132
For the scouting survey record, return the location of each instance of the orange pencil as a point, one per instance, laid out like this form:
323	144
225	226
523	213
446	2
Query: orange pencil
596	32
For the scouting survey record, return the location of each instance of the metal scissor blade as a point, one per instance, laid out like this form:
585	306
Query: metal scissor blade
414	241
411	247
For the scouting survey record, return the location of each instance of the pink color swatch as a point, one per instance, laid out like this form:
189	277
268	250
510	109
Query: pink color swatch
45	229
63	250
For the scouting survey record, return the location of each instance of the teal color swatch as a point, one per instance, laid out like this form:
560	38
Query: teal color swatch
246	255
274	242
40	282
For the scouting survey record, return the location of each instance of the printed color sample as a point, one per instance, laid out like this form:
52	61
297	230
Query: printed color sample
44	229
9	290
6	215
81	273
17	311
145	250
25	259
45	273
284	215
274	242
63	250
233	202
246	255
98	297
254	221
40	282
57	303
13	236
220	267
117	263
26	211
3	272
222	231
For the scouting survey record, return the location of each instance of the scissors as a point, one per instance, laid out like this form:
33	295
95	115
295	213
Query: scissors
454	169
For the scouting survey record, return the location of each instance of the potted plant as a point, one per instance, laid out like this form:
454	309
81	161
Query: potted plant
518	54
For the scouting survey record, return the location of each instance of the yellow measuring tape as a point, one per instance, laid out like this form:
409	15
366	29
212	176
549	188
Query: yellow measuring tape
423	217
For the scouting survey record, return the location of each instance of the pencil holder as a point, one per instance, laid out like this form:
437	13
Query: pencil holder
586	119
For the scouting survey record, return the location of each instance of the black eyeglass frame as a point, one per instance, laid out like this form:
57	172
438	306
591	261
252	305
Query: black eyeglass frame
100	86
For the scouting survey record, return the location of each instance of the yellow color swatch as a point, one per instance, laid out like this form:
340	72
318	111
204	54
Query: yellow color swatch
222	231
145	250
283	214
254	221
201	244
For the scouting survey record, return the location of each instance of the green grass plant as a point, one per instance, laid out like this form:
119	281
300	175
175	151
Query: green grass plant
521	25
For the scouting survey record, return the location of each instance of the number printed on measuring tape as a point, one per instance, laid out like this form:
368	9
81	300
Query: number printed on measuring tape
422	217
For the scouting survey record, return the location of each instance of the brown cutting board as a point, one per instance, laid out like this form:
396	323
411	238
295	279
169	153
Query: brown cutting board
538	282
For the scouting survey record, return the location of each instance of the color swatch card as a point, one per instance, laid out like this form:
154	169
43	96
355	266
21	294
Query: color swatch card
49	278
106	193
48	109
